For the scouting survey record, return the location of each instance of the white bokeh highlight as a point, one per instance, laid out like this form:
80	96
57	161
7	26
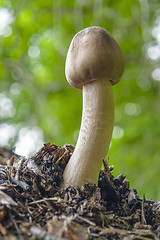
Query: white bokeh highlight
30	140
6	18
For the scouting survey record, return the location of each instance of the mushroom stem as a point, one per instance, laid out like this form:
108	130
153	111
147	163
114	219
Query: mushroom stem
94	136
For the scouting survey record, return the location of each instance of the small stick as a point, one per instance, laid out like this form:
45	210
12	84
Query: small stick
21	160
61	156
143	219
86	220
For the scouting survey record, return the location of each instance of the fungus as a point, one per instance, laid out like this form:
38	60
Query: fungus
94	63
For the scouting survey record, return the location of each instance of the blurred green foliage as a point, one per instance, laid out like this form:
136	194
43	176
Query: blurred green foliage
34	40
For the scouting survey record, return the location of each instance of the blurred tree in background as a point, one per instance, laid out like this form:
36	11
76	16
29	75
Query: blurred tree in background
36	102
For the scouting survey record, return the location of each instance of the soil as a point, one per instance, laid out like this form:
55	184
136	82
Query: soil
34	207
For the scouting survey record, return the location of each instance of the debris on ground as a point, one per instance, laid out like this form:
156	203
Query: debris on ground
33	206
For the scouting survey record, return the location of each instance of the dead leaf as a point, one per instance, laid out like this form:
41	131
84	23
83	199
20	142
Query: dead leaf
2	213
3	230
6	200
77	231
67	228
55	226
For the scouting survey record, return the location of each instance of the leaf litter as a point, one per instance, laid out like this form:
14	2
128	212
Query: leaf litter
33	206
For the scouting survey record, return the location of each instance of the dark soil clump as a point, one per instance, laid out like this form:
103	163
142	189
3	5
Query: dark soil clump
33	206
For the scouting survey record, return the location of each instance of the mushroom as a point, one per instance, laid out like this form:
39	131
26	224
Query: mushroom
94	63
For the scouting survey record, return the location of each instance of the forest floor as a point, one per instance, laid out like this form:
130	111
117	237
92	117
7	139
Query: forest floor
34	207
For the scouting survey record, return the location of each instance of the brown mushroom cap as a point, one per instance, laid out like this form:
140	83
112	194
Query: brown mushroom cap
93	55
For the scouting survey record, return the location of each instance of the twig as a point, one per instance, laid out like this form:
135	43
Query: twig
20	163
16	226
86	220
143	219
61	156
47	199
23	185
147	200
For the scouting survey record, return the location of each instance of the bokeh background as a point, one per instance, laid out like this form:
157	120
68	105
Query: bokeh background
38	105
